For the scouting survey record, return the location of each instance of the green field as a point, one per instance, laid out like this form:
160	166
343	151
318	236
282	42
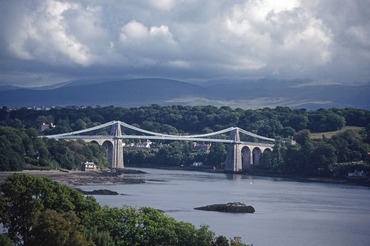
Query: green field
319	135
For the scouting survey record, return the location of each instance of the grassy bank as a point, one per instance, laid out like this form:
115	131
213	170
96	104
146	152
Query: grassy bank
319	135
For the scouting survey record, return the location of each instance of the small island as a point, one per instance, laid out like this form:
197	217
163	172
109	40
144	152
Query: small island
231	207
98	192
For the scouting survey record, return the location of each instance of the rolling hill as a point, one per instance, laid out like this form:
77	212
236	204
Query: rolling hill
147	91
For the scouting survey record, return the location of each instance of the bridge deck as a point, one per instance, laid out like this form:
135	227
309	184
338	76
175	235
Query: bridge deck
233	160
179	138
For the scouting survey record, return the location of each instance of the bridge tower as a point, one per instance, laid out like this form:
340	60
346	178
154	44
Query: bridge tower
233	161
116	153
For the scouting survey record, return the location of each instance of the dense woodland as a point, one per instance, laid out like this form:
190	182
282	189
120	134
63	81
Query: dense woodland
20	146
57	215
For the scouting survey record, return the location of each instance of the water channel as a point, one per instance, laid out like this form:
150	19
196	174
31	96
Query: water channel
287	212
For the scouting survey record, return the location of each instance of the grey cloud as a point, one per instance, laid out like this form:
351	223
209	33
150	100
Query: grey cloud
292	39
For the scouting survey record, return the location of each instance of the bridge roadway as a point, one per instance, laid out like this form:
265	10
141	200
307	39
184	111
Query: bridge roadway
174	138
241	155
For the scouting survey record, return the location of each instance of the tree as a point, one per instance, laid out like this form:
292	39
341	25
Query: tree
321	158
5	240
291	159
128	226
168	129
10	159
287	132
204	236
325	120
221	241
23	196
79	125
302	137
217	155
304	157
54	229
100	238
16	123
40	120
350	146
12	149
39	211
148	226
237	241
266	160
356	117
298	122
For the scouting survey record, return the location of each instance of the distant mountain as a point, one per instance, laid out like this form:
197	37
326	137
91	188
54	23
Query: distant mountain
127	93
235	93
293	93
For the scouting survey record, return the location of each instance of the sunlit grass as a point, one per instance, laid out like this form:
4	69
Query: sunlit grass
319	135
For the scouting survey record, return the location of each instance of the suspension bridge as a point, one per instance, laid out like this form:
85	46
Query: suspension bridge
241	155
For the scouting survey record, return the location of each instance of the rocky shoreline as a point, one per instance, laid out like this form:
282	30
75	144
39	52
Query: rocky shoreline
85	178
131	176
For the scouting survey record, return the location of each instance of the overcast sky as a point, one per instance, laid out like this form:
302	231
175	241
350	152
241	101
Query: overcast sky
49	41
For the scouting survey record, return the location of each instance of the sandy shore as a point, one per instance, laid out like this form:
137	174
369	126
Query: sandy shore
82	178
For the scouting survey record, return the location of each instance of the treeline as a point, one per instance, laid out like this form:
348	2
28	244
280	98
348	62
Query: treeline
54	214
330	157
277	122
20	149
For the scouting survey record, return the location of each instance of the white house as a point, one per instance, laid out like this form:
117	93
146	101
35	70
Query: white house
357	174
197	164
47	126
87	166
144	145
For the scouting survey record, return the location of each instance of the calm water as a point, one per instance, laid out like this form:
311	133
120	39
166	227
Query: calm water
287	212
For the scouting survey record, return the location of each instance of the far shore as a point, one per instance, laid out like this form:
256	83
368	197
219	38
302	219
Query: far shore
77	178
263	173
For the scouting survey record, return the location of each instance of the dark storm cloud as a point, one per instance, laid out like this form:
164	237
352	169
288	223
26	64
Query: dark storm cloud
49	41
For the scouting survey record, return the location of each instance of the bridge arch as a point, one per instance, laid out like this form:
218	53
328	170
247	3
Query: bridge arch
267	151
257	152
95	142
251	155
246	158
109	145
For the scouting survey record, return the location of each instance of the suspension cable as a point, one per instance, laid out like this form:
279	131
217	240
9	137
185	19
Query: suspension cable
255	135
82	131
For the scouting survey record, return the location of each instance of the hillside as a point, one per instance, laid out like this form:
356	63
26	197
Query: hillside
247	94
119	93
